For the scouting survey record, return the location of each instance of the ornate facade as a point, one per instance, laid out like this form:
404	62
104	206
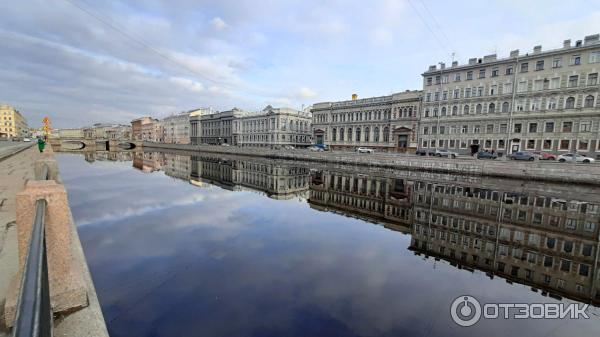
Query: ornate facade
215	128
387	123
542	100
272	127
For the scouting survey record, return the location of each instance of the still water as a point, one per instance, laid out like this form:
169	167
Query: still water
208	245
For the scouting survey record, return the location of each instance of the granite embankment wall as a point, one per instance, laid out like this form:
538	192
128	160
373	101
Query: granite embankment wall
537	170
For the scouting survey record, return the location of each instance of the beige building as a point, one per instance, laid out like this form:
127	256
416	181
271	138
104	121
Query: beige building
540	100
137	127
12	123
386	123
176	128
272	127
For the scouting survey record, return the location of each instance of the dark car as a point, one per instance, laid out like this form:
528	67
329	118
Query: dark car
486	155
522	155
422	152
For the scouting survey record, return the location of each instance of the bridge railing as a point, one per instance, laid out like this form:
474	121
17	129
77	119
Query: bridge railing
34	312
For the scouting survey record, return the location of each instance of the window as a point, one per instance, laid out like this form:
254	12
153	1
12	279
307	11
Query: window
386	134
495	72
567	127
492	108
592	79
467	92
376	134
466	110
428	97
538	85
557	63
489	128
575	60
457	77
507	88
501	143
585	126
595	56
464	129
509	70
539	65
518	127
477	129
503	128
456	93
570	103
532	127
436	96
554	83
437	79
573	81
565	265
524	67
522	86
493	90
367	134
565	144
443	111
547	145
478	108
530	144
444	95
358	134
549	127
583	145
551	103
481	73
429	80
454	110
445	79
469	75
505	107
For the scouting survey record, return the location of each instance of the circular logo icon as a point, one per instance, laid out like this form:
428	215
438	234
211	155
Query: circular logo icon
465	310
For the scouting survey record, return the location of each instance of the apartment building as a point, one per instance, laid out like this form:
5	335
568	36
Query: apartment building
12	123
214	128
176	128
386	123
272	127
137	127
541	100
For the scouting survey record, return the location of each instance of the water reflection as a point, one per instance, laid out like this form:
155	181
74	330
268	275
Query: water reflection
196	259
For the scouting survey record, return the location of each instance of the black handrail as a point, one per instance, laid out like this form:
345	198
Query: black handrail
34	311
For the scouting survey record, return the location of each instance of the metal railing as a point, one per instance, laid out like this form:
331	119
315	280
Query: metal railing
34	312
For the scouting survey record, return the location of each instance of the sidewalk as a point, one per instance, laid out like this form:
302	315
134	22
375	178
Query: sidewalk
15	170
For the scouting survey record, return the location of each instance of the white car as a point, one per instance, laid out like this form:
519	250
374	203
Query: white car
445	153
578	158
365	150
316	149
26	139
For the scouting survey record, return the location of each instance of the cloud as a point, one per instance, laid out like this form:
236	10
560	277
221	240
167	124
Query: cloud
306	92
218	23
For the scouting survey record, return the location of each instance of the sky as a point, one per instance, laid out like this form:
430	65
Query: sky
82	62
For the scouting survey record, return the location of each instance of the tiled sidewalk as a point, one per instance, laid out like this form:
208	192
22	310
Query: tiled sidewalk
15	170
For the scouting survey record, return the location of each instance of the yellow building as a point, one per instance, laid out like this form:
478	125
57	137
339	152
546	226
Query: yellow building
12	123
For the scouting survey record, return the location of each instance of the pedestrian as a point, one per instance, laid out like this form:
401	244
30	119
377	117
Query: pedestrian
41	144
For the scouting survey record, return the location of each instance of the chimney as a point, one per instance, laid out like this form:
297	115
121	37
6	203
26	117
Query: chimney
578	43
432	68
514	53
442	65
567	44
472	61
537	49
489	58
354	97
454	64
592	39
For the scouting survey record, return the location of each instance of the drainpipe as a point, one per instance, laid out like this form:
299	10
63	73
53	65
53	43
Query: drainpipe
437	132
508	143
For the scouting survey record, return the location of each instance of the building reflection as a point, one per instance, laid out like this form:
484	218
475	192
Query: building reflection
92	156
541	235
545	237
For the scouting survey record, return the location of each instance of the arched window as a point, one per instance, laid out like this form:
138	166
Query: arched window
358	134
466	110
435	112
478	108
386	134
443	111
570	103
349	134
426	112
589	101
505	107
410	111
491	108
454	110
334	133
341	134
376	134
367	134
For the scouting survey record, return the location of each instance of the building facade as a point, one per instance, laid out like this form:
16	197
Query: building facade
386	123
137	126
272	127
12	123
539	101
215	128
176	128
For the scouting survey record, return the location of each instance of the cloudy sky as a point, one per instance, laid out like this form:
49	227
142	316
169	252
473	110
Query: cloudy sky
84	61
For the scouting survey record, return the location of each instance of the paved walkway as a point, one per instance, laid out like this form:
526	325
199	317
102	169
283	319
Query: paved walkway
15	170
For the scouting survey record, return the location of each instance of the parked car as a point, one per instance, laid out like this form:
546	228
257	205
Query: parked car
423	152
288	147
578	158
225	144
486	155
545	156
522	155
365	150
445	153
26	139
316	149
325	147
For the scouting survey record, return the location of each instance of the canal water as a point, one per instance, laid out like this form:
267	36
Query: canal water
209	245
